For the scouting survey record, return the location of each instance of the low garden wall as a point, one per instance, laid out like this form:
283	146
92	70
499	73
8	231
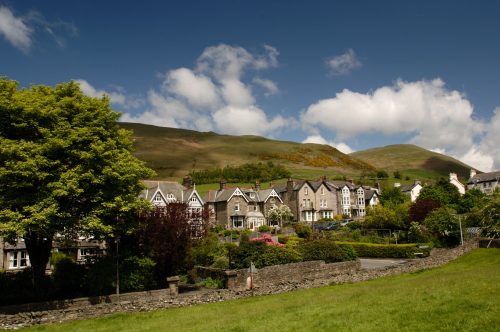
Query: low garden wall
268	280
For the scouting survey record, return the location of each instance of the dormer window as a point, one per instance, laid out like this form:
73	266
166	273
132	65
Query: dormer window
237	207
306	190
158	198
322	190
252	195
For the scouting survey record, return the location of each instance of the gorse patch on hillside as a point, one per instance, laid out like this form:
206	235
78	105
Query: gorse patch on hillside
245	173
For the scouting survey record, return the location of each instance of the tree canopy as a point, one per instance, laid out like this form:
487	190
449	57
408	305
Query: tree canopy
66	166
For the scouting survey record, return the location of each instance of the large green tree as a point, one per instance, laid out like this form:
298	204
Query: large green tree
66	168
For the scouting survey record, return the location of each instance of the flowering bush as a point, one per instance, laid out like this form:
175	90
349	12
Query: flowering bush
267	239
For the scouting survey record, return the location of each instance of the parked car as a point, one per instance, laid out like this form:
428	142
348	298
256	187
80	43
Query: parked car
329	226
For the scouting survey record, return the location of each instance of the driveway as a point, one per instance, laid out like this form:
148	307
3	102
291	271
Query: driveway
378	263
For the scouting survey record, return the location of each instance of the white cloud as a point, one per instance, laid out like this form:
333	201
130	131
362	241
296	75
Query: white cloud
20	31
116	96
344	63
318	139
269	86
246	121
434	117
198	90
15	30
214	95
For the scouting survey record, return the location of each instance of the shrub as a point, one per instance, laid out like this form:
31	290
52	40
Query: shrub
137	274
221	263
325	250
290	241
68	276
264	229
354	225
212	283
387	250
273	255
443	226
303	231
206	251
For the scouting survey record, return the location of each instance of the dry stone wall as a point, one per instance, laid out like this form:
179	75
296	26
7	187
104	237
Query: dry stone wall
269	280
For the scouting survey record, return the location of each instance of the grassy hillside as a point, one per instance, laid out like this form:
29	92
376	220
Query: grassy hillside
412	160
172	153
460	296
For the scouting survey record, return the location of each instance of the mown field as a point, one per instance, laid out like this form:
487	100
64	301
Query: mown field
460	296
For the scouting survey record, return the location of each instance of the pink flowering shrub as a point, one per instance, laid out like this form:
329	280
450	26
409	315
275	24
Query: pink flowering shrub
267	239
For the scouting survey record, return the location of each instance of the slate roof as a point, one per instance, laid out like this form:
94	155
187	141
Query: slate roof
369	193
408	187
485	177
180	192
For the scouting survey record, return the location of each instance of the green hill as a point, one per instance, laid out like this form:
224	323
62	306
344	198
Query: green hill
172	153
412	160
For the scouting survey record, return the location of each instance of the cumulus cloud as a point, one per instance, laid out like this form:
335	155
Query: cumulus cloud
20	30
213	95
269	86
343	64
116	96
318	139
15	30
433	116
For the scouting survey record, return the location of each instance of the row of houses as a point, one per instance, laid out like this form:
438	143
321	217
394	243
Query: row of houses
487	183
248	208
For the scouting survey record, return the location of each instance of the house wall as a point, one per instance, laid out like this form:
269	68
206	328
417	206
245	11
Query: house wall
330	196
230	211
307	200
485	187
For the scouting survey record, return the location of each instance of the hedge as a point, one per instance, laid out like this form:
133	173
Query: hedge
388	250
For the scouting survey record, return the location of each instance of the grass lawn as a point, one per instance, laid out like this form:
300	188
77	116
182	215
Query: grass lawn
461	296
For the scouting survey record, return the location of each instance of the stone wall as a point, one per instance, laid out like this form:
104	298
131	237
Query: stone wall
269	280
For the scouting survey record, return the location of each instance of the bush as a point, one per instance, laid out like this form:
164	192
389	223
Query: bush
137	274
325	250
387	250
290	241
354	225
303	231
206	251
212	283
68	276
273	255
264	229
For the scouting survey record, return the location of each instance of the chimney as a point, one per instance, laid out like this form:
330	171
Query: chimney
397	185
453	176
222	185
289	185
351	181
271	184
187	182
323	178
417	182
257	185
377	186
472	173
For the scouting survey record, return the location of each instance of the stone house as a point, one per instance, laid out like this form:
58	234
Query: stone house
486	182
242	208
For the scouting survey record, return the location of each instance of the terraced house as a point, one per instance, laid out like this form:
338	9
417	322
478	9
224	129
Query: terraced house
314	200
241	207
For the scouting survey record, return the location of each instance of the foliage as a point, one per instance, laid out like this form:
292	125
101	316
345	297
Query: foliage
325	250
393	196
374	250
165	237
274	255
354	225
382	174
489	217
206	251
381	217
248	251
416	234
212	283
421	208
264	229
68	277
443	192
290	241
280	214
268	240
443	225
397	174
101	276
303	231
472	199
245	173
66	167
137	274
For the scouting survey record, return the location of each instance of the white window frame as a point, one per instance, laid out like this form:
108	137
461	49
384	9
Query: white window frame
237	207
13	261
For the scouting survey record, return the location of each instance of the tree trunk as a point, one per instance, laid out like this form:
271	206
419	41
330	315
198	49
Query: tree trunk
39	248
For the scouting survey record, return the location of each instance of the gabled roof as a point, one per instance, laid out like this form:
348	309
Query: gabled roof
485	177
165	188
409	187
369	193
224	195
340	184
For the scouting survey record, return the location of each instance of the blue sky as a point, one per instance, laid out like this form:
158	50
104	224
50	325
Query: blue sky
352	74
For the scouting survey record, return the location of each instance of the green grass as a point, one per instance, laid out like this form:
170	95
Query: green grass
461	296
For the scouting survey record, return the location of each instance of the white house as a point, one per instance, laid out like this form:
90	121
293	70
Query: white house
486	182
454	181
413	190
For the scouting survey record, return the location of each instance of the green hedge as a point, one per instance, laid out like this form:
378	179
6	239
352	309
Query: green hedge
388	250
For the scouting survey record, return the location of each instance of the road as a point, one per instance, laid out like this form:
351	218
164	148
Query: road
376	263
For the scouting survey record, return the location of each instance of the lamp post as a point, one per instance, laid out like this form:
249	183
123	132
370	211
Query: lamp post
117	240
460	224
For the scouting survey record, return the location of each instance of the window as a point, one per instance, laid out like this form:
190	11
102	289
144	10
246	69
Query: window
237	207
255	207
158	198
237	221
252	195
194	199
326	214
361	201
346	200
171	197
322	203
13	259
322	190
24	259
306	190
